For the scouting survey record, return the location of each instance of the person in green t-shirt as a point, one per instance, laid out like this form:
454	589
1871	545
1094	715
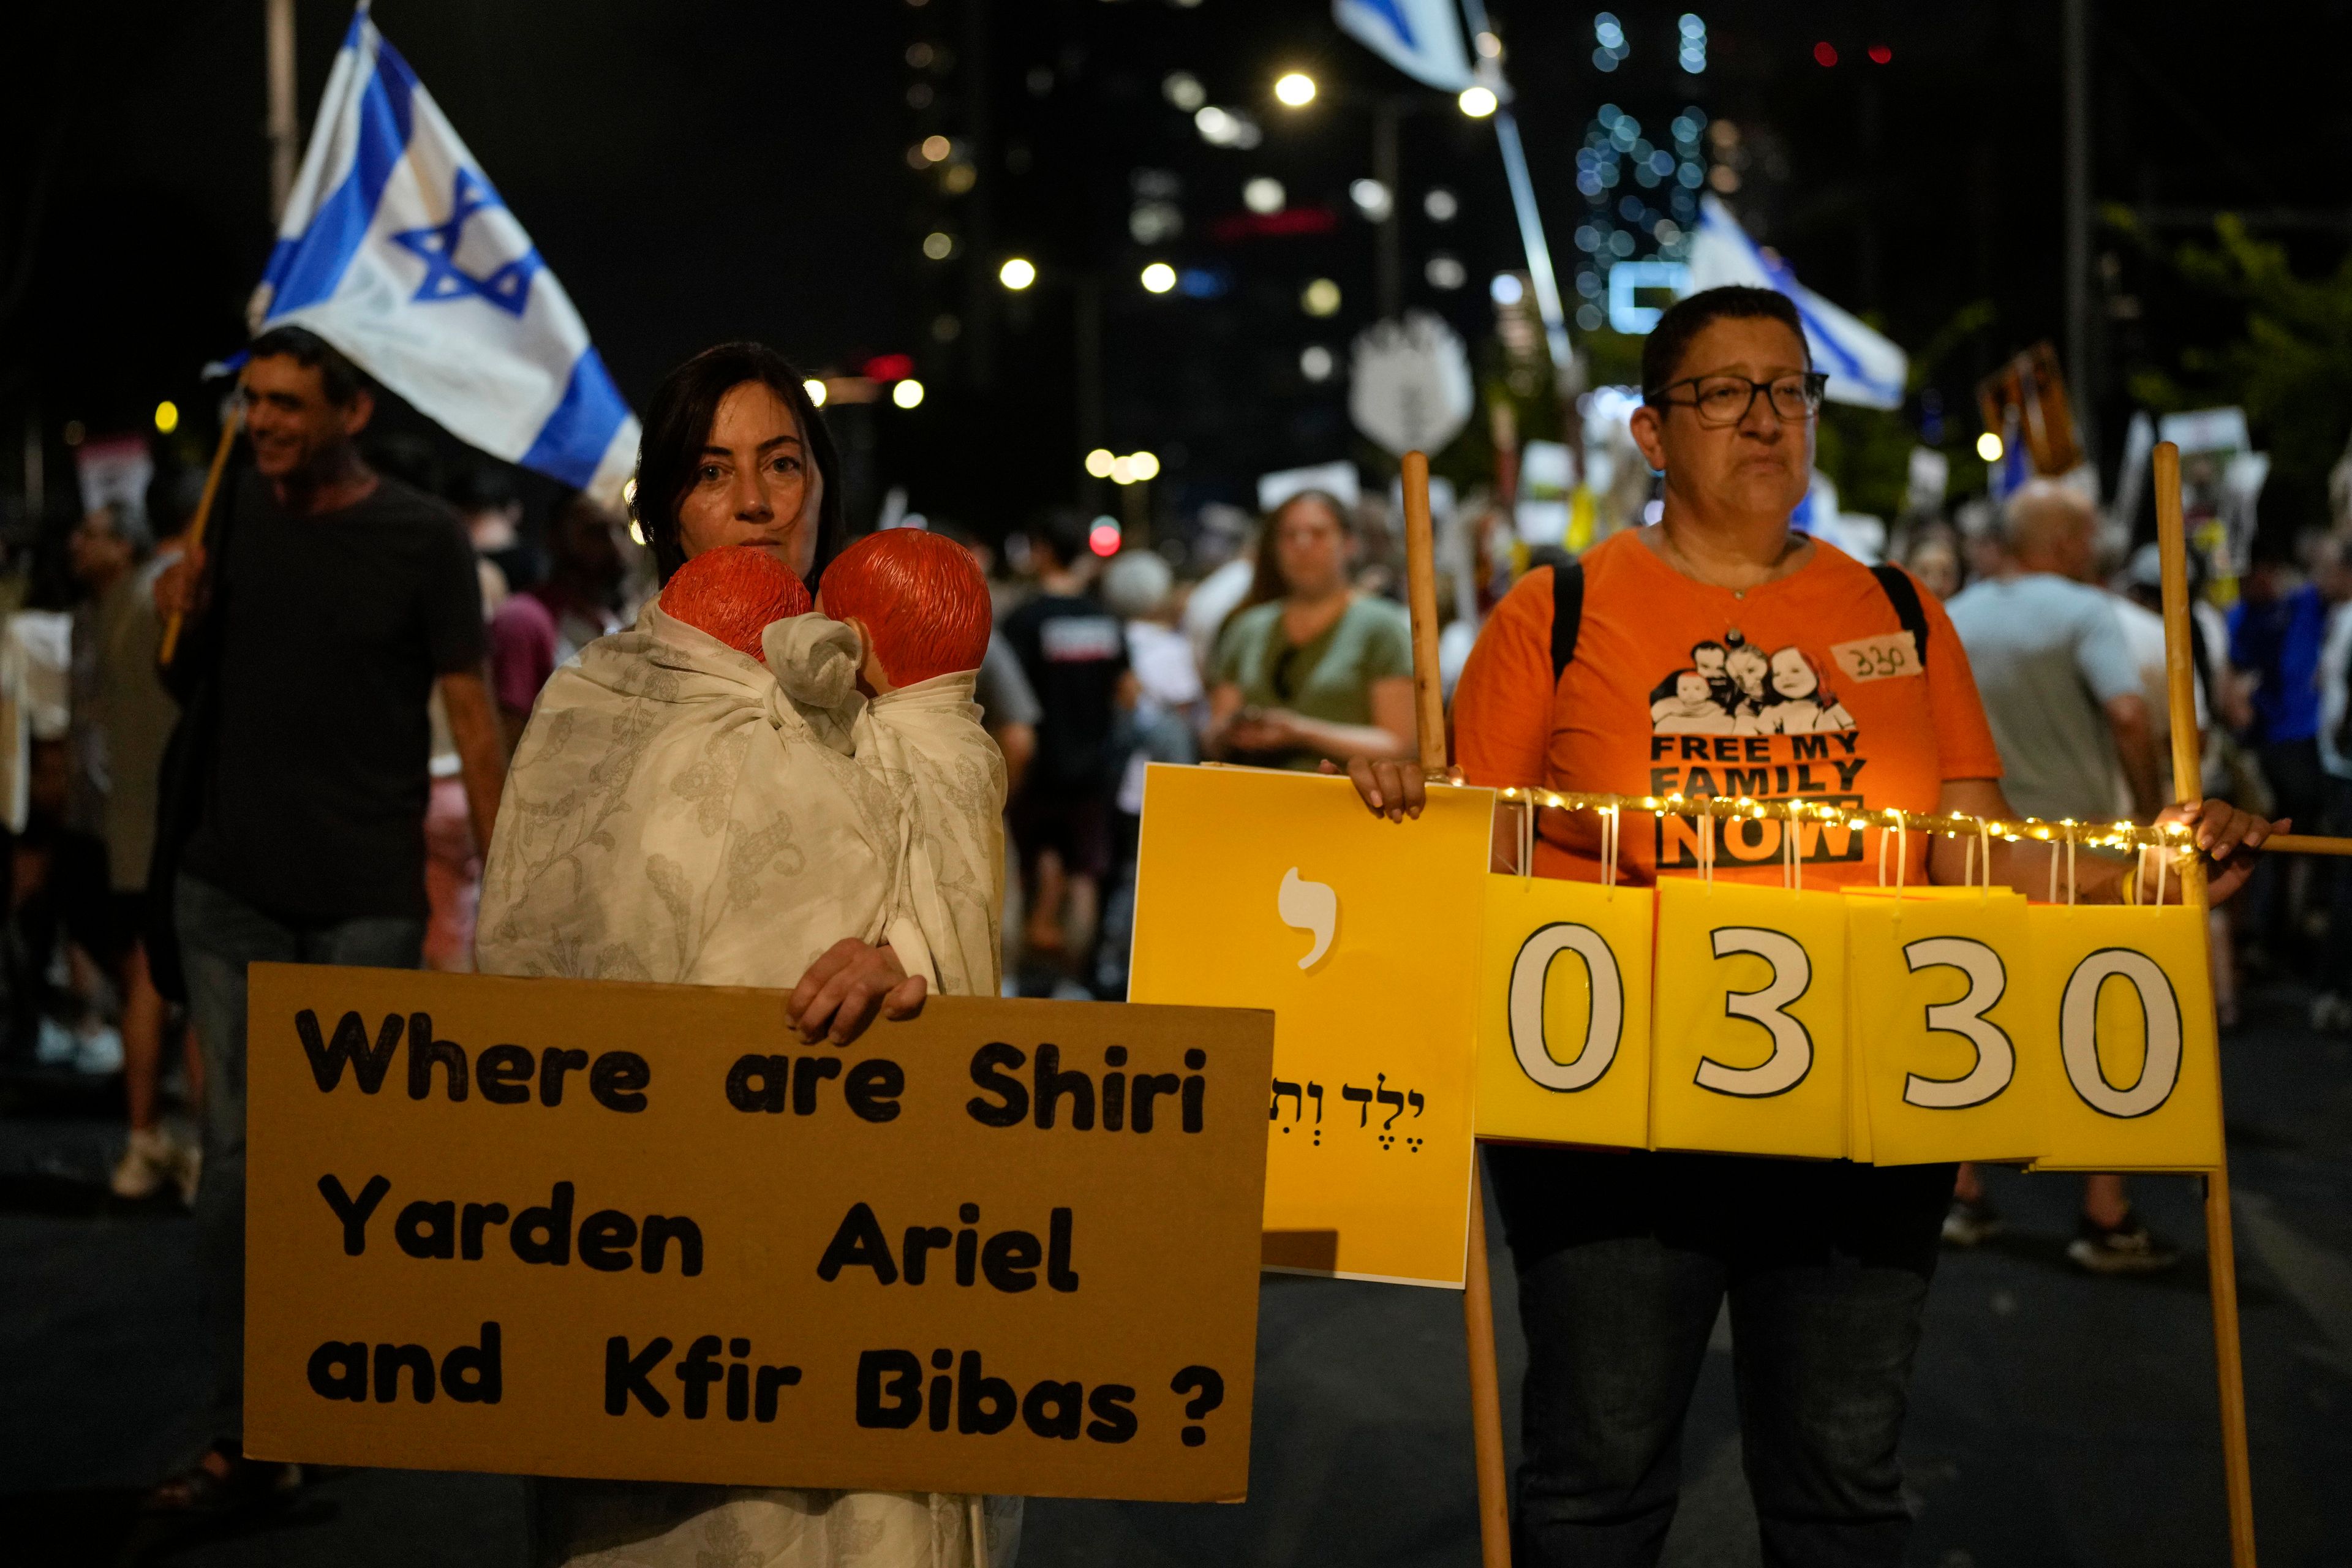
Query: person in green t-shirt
1310	668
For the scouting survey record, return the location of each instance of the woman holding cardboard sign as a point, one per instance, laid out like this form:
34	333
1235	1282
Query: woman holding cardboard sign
686	805
1721	653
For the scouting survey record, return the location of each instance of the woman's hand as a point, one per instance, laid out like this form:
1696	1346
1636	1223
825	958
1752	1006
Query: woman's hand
1392	786
849	983
1267	730
2229	838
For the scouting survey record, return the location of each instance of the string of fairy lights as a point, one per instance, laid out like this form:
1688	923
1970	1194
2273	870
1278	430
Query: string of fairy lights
1952	825
2160	846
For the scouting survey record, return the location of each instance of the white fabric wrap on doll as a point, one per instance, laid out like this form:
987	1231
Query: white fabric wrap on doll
925	745
676	812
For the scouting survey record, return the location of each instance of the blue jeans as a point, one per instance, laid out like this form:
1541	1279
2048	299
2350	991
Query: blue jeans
220	933
1624	1261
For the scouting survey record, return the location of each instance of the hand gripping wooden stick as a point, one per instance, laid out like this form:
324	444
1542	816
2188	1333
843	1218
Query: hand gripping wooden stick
1477	1285
229	428
2220	1253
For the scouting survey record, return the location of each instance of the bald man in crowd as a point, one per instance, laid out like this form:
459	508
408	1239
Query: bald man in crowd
2063	691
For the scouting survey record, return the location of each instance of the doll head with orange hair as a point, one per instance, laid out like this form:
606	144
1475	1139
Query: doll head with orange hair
919	601
733	594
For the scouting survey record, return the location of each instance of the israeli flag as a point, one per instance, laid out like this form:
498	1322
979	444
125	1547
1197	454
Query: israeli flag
396	248
1422	38
1866	368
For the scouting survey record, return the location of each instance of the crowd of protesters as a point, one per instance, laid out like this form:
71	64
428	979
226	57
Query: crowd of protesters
1281	646
324	663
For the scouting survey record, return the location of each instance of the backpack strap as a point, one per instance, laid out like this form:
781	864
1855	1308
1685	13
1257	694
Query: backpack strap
1903	595
1568	611
1567	614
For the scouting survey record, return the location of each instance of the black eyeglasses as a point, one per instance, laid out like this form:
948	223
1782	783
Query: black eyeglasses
1722	400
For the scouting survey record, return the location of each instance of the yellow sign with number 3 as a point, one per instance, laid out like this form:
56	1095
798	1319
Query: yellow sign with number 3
1749	1057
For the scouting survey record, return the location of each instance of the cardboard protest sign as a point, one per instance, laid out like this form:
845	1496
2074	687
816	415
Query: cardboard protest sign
2125	1031
1564	1013
1270	889
584	1228
1749	1057
1942	1000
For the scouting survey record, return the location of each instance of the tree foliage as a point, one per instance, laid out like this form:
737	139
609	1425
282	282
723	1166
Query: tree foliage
2289	364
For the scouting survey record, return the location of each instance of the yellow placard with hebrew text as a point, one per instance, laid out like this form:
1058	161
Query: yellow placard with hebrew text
1564	1013
2124	1024
1363	935
1941	992
1749	1050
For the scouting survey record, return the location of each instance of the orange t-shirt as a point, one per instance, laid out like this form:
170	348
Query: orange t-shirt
1803	687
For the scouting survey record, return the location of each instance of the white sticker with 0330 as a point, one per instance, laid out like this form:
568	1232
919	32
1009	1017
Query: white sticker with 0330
1877	658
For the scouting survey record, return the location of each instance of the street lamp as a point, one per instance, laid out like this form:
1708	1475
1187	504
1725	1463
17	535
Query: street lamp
1159	277
908	394
815	390
1293	90
1478	101
1017	273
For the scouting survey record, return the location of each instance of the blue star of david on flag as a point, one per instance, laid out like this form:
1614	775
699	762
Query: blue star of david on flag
508	288
387	185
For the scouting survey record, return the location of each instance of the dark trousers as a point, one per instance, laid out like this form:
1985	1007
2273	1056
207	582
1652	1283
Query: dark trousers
1625	1262
2299	787
220	933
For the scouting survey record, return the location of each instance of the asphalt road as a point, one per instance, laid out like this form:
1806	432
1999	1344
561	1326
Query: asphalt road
2057	1419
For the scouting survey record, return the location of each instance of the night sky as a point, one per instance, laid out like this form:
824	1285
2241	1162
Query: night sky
696	170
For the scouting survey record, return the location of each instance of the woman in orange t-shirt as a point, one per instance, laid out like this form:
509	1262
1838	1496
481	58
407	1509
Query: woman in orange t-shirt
1721	652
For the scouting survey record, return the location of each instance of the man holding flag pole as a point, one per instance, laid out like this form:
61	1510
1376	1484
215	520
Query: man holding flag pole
307	636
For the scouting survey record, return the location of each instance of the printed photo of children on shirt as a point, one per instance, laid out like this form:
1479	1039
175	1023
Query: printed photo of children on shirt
1734	688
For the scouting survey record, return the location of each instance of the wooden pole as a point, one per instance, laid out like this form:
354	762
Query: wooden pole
229	428
285	143
1477	1283
1421	598
2306	844
2221	1252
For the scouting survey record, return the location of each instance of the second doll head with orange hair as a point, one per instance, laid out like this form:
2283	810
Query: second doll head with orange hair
919	601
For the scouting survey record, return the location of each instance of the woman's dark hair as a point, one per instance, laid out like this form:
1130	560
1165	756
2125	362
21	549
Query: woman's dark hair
1670	340
677	426
1267	583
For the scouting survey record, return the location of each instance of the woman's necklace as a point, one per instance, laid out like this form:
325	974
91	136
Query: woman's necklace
1674	556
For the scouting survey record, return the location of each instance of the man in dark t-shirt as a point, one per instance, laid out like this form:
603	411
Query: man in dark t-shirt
1073	652
331	602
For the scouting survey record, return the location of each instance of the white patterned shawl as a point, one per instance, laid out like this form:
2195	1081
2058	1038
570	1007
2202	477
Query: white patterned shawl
676	812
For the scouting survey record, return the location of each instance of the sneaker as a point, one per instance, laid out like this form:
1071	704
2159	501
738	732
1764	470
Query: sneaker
1971	1222
2126	1248
152	1159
